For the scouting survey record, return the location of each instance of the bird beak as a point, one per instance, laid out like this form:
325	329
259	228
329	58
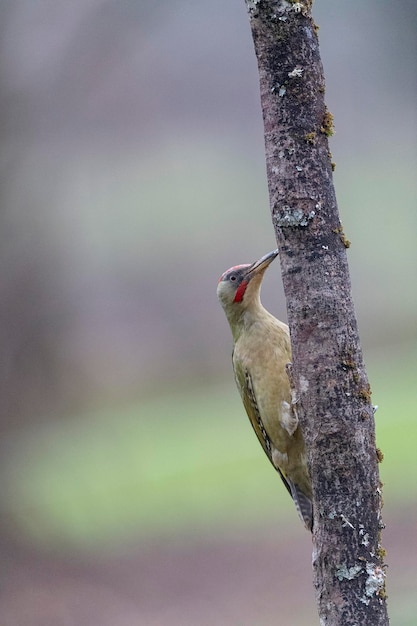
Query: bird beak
261	265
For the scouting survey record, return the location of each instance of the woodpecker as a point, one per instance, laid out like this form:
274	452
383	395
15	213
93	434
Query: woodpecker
261	354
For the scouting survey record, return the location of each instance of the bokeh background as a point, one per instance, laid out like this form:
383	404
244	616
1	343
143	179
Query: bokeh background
132	174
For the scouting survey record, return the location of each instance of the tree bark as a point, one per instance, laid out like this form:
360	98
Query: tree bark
333	393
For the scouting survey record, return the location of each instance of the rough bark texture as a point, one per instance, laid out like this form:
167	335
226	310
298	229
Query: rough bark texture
334	405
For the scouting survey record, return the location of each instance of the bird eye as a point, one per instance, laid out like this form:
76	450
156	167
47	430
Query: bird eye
232	277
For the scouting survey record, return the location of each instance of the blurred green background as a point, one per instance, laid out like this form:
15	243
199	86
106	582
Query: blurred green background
132	175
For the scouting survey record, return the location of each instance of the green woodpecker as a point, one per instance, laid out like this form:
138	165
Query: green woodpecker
261	353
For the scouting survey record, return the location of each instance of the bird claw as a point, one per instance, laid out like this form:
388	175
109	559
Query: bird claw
294	398
289	417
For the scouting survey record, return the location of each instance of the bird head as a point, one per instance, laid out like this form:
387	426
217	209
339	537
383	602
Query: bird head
239	287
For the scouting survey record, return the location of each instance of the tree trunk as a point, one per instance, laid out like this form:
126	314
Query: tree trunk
334	398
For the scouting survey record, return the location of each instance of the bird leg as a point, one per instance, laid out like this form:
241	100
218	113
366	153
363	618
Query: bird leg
289	370
289	410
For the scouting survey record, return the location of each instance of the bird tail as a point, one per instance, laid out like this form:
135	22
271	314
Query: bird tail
303	505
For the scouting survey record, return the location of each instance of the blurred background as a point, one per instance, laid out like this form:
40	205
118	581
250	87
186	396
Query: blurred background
132	175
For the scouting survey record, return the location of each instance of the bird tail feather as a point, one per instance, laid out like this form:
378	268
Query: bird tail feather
303	505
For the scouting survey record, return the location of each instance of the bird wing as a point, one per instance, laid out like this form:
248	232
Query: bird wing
245	385
302	502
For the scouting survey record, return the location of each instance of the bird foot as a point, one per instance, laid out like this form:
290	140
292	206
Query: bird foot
289	370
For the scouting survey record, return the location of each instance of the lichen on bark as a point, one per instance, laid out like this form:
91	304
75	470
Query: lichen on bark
334	401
